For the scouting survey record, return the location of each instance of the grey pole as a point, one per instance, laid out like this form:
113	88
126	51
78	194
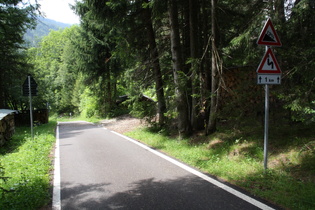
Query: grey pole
31	107
266	130
266	127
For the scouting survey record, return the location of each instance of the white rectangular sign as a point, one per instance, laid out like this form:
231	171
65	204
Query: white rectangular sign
268	79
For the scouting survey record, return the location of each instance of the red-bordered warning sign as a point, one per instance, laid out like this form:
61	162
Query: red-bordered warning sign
269	64
269	36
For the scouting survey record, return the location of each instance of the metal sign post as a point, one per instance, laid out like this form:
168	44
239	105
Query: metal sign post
268	73
266	129
30	89
31	107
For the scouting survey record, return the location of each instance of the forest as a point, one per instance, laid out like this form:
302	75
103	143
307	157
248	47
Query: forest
185	65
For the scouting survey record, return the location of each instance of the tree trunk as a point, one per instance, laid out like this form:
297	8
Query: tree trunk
211	128
154	56
194	66
108	90
180	79
2	104
205	61
183	14
279	12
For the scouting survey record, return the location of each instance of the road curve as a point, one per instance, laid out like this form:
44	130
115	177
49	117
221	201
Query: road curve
100	169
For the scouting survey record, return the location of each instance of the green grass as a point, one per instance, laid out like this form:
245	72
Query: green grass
237	157
79	118
26	164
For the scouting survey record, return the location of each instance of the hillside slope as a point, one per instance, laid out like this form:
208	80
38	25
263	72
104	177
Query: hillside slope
44	26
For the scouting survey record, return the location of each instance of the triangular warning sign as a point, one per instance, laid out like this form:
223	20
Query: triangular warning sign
269	36
269	64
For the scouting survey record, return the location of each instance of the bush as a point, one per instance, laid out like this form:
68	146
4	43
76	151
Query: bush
142	107
88	105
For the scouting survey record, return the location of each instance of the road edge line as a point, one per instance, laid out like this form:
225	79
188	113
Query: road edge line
199	174
56	201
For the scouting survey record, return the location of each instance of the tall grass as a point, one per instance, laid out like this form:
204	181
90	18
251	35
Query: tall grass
26	164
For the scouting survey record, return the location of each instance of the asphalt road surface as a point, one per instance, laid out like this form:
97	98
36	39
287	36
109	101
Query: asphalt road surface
100	169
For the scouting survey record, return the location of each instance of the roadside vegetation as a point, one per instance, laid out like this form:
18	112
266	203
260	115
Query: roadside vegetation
236	156
78	118
26	164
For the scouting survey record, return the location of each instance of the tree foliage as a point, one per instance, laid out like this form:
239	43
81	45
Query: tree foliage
55	69
298	60
15	17
183	54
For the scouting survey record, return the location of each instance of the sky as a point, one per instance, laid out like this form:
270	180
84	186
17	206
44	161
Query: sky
59	10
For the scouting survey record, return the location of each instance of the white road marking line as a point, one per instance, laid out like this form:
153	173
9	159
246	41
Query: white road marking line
56	204
201	175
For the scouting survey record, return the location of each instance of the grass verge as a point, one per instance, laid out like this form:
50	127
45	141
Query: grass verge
236	155
79	118
26	166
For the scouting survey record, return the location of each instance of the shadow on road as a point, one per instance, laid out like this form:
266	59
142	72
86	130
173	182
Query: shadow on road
182	193
74	128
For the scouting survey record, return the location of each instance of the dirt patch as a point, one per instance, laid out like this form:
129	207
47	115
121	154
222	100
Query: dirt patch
123	124
215	144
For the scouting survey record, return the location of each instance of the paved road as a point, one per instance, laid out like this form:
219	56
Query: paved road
103	170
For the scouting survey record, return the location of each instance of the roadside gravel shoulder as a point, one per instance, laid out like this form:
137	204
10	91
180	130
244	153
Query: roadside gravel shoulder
122	124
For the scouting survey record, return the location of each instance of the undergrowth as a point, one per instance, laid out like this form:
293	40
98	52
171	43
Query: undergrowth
25	166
